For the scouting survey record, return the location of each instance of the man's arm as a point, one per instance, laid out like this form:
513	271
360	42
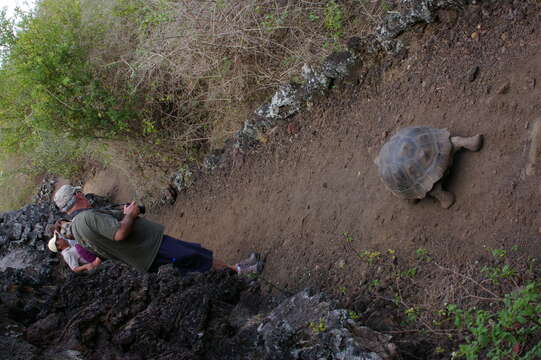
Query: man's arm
94	264
131	213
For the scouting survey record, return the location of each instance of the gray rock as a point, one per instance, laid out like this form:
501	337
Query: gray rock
412	12
182	179
314	81
284	103
17	349
213	160
289	99
336	66
308	326
26	227
472	74
22	258
45	190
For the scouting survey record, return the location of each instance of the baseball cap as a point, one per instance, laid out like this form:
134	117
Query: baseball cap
64	199
52	244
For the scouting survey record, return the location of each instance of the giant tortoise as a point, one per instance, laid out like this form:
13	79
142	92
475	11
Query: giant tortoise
412	163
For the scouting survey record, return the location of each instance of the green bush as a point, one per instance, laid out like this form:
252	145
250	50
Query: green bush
510	333
47	81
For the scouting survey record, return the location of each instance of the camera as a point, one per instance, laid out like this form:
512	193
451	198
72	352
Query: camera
142	208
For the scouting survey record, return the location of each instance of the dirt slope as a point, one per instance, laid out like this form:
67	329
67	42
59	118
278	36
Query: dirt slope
293	198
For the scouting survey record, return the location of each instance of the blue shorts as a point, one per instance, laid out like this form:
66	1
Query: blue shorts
186	256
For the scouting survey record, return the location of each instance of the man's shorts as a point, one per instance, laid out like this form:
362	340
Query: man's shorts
186	256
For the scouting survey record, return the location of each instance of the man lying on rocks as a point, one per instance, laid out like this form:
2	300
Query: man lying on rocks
136	241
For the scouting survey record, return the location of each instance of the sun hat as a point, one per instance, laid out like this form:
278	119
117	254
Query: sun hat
64	198
52	244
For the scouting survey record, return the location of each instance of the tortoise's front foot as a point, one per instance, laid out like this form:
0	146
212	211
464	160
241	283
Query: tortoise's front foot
446	198
472	143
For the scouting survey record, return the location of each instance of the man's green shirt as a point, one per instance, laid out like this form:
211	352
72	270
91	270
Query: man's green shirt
95	230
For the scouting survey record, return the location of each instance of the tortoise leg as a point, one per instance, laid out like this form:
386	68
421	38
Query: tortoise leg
446	198
472	143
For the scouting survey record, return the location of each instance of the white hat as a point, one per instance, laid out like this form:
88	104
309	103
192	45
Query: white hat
52	244
63	198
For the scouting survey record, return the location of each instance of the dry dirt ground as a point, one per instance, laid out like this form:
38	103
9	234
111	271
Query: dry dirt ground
477	71
293	198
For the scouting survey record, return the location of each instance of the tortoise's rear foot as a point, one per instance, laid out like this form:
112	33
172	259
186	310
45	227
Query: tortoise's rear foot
472	143
446	198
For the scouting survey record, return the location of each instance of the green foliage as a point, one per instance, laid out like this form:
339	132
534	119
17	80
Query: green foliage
409	273
369	255
56	155
7	34
504	334
49	96
422	255
411	314
353	315
347	236
498	253
47	82
317	327
312	16
498	273
334	20
15	189
374	283
385	6
273	21
146	14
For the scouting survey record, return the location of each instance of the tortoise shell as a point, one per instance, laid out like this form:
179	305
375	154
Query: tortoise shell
414	159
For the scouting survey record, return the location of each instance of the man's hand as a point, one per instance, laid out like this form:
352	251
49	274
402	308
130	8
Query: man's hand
132	212
132	209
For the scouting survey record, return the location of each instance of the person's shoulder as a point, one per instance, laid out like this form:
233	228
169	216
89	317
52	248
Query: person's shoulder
82	220
84	215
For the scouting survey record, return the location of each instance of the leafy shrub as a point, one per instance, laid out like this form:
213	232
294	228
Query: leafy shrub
51	84
505	334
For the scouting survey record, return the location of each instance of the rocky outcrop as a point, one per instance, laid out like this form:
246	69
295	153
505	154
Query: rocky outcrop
45	190
289	99
27	227
309	326
116	312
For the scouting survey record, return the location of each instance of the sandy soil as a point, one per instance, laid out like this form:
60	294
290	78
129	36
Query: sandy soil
293	198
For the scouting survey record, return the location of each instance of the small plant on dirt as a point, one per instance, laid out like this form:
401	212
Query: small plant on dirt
409	273
505	334
318	327
411	314
149	127
313	17
370	256
374	283
354	315
385	6
498	273
498	253
347	237
334	21
422	254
